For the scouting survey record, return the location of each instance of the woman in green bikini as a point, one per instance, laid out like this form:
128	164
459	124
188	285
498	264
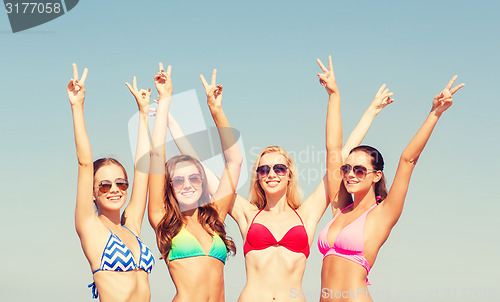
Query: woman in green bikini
189	227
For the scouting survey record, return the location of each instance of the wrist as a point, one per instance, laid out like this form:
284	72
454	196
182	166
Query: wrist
372	111
435	113
334	97
165	96
214	109
77	106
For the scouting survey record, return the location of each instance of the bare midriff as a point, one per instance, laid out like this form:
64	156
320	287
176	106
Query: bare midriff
122	286
198	279
343	280
273	274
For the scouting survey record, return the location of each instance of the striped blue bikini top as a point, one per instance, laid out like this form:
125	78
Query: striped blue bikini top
119	258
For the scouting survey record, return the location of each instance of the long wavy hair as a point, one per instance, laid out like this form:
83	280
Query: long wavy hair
108	161
378	164
293	192
173	220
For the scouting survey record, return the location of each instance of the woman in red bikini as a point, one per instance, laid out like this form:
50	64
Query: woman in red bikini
351	241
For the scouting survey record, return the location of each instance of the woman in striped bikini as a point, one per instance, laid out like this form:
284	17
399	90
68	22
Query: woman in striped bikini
119	260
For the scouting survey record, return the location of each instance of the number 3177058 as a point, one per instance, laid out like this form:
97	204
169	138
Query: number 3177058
32	8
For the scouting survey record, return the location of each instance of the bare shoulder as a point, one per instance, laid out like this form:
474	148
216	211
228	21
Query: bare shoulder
93	240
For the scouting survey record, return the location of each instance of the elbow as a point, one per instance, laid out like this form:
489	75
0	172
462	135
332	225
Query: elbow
238	160
408	159
334	148
156	149
235	160
333	145
235	165
85	163
156	153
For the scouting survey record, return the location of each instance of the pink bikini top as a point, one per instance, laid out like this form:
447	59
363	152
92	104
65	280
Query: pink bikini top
259	237
350	241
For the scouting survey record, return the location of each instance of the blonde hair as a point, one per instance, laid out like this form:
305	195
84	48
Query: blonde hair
293	192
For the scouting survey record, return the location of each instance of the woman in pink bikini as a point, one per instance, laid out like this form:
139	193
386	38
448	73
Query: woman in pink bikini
351	241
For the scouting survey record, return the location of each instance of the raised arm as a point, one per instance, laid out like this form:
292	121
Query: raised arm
156	208
392	206
180	139
333	132
185	147
134	213
314	207
224	196
84	211
382	99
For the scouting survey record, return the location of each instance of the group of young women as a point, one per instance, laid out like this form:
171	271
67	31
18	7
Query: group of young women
188	205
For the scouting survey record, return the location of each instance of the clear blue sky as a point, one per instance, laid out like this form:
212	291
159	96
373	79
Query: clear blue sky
445	245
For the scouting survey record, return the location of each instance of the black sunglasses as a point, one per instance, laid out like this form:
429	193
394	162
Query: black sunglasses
105	185
359	171
279	169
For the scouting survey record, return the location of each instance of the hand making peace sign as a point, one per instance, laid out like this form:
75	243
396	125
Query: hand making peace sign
163	82
141	96
444	100
76	90
328	78
214	92
381	99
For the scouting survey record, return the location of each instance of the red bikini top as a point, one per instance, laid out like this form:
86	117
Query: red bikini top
259	238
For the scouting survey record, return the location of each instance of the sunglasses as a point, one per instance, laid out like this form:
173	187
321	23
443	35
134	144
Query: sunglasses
105	185
195	179
279	169
359	171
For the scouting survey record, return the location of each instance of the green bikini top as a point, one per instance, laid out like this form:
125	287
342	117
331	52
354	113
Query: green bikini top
185	245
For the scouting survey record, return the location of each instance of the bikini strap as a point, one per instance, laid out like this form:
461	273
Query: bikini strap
94	290
371	208
346	207
130	231
298	215
335	217
256	216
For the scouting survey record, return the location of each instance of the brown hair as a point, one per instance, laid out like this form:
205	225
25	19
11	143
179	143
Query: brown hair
171	223
293	193
378	164
107	161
